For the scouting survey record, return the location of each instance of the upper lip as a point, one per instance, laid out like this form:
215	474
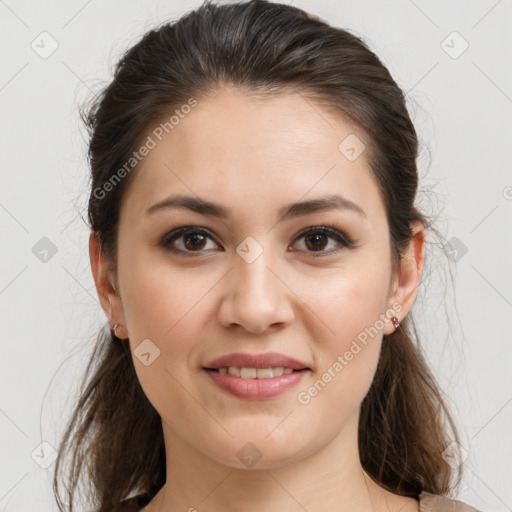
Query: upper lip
265	360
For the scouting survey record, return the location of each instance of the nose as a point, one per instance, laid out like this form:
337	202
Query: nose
255	298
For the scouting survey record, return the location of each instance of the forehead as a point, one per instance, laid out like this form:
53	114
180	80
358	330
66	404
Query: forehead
247	151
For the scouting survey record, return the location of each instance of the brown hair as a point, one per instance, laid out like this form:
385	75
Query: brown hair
115	434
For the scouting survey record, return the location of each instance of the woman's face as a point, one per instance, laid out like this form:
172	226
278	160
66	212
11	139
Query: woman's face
252	281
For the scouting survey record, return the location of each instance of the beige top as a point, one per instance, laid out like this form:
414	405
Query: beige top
428	503
435	503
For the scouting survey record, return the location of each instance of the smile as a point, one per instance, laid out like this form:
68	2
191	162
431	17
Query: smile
255	373
255	383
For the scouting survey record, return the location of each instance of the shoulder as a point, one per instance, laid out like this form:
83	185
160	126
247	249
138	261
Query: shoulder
428	503
435	503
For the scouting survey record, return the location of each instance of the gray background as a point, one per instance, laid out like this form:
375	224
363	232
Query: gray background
461	103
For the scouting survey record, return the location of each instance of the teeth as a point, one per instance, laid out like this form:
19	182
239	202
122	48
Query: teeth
255	373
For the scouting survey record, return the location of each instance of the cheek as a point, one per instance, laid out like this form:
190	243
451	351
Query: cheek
165	306
159	299
347	336
348	304
159	304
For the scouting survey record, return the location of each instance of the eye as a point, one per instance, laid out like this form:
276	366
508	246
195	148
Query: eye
192	239
316	239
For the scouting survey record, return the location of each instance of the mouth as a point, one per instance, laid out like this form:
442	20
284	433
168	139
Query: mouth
255	383
255	373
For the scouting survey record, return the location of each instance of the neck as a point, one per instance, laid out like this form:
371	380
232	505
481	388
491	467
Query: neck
329	478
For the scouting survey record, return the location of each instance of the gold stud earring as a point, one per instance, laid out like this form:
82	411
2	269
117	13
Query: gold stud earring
115	333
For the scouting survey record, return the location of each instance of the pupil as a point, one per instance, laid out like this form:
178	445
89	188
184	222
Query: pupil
320	235
195	237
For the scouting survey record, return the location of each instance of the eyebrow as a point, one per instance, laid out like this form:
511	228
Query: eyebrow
290	211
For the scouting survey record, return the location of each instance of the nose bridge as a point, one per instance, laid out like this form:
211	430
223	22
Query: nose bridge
255	298
252	277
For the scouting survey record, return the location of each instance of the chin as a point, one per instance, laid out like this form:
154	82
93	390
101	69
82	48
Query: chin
260	451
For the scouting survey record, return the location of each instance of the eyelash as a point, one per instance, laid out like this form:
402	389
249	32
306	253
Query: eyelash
346	242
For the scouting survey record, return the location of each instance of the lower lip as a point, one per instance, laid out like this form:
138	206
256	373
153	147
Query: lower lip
256	389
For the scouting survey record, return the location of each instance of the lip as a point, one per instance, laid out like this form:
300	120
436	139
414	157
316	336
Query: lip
265	360
255	389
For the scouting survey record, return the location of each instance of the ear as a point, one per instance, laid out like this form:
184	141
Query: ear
409	276
104	281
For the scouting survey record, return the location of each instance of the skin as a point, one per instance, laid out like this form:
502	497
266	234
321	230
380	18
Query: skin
254	156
